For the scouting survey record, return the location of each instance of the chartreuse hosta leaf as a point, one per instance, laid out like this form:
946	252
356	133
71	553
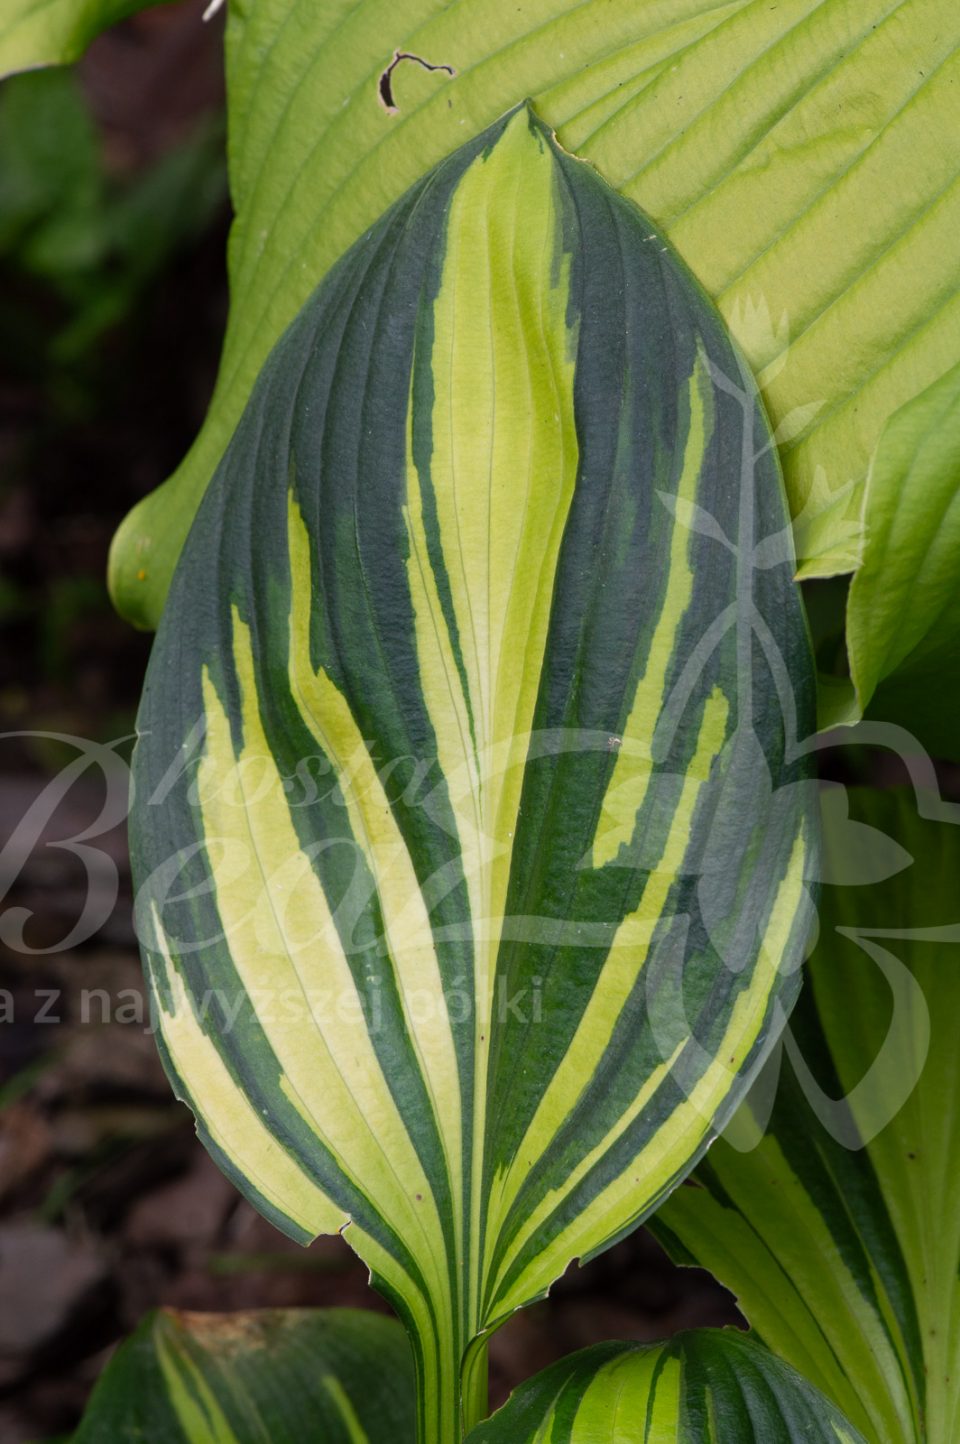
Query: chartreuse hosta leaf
903	614
472	824
710	1387
840	1231
276	1376
800	156
51	32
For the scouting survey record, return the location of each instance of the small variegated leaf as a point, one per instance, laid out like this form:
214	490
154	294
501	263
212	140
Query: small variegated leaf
472	817
271	1376
709	1387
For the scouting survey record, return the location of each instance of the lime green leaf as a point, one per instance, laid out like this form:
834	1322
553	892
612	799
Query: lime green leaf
837	704
709	1387
800	156
275	1376
477	749
53	32
845	1258
903	615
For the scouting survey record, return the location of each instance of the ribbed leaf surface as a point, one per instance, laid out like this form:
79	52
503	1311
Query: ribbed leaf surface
845	1257
471	824
708	1387
800	156
275	1376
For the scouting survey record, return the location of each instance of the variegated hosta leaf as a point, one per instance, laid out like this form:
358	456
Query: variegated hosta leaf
840	1231
274	1376
471	822
709	1387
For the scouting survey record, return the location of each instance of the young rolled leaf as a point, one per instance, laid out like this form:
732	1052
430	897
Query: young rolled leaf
471	819
275	1376
839	1232
796	154
708	1387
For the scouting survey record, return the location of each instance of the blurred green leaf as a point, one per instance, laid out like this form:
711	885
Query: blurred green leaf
172	203
51	179
51	32
89	243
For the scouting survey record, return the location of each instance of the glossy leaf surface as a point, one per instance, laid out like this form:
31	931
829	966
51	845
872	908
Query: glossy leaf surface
472	822
801	156
840	1233
709	1387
